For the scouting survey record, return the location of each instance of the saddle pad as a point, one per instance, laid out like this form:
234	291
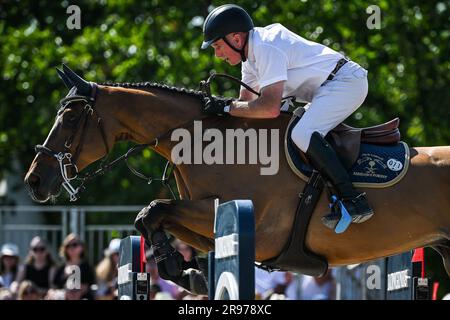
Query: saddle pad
377	166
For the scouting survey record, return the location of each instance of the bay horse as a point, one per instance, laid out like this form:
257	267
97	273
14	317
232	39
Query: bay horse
413	213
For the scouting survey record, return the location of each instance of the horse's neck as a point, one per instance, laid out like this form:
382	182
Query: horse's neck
148	113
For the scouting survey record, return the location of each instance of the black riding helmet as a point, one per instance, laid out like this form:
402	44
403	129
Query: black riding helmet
223	20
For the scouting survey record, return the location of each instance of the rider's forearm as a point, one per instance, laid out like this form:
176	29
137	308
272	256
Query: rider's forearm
258	109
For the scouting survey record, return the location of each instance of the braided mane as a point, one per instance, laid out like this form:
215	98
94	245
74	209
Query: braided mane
151	85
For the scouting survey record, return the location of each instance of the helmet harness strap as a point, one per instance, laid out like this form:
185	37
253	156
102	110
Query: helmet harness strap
240	51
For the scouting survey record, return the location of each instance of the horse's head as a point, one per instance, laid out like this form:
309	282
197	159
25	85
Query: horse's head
76	139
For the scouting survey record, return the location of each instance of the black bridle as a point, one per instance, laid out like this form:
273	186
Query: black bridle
67	161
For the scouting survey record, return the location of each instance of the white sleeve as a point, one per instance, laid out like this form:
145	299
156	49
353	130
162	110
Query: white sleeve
248	76
271	63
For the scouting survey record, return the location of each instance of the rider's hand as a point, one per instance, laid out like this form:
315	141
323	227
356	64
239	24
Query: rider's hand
216	106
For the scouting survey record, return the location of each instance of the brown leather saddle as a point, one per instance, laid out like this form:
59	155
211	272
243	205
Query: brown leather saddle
346	140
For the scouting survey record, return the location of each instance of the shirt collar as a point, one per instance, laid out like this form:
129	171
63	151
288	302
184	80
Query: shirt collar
250	54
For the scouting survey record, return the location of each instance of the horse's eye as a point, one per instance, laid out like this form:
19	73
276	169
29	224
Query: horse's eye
71	120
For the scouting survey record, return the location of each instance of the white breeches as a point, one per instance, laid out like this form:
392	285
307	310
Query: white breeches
332	103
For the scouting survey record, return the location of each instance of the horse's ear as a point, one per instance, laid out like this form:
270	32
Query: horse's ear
65	79
83	87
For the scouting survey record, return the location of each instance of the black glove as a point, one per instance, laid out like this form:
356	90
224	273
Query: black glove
215	106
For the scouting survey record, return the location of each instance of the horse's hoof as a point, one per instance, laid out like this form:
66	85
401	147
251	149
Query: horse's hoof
171	262
197	282
202	263
139	225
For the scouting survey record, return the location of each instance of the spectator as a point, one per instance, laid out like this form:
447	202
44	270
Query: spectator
75	294
106	272
262	283
319	288
39	266
188	254
276	285
64	294
9	263
55	294
157	294
161	285
72	251
28	291
284	286
6	294
154	290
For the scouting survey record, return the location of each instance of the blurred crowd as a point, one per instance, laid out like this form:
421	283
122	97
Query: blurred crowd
290	286
71	277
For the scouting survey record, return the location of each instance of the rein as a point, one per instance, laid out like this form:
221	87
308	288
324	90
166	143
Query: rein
205	87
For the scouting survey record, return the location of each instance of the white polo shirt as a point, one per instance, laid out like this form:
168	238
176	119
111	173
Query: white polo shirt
276	54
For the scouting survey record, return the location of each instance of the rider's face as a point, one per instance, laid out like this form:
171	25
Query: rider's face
223	51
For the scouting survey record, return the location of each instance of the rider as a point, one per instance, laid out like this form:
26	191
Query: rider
280	63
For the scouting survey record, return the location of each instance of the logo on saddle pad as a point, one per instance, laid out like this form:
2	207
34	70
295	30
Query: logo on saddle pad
377	166
373	166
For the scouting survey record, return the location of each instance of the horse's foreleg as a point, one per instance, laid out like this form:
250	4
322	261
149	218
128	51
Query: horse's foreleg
192	220
184	219
190	237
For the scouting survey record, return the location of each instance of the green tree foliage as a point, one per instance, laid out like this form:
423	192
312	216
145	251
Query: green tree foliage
131	41
155	40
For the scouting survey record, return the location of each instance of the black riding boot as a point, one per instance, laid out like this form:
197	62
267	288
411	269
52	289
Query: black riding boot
326	161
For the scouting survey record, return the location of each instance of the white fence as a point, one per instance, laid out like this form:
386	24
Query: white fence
59	221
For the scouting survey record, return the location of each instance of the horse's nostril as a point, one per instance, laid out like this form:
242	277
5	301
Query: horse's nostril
33	181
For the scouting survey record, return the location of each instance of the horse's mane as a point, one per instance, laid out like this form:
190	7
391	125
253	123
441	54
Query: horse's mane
153	85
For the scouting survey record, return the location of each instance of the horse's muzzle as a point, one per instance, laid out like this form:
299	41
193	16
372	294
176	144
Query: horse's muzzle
41	189
32	182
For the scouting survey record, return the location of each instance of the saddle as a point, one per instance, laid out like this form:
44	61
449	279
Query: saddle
347	140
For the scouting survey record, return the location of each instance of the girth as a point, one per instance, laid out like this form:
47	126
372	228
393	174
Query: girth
295	256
